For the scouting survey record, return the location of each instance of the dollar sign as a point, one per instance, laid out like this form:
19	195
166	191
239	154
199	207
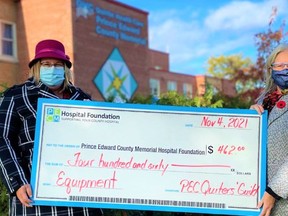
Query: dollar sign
210	149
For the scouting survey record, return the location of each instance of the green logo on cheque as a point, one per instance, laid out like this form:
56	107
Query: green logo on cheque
53	115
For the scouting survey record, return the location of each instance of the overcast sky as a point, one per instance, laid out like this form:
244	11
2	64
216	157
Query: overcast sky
192	31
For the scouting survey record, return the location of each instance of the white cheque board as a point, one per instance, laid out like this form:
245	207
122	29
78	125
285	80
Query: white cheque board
149	157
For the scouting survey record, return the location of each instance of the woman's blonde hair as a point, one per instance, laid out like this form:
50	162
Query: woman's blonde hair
270	86
35	73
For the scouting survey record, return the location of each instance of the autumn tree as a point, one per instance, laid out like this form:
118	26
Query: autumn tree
265	42
249	78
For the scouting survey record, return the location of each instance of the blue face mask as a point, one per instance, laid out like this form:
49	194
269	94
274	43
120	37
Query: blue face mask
280	78
52	76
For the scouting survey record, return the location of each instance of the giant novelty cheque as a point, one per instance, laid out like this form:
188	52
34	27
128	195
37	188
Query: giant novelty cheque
149	157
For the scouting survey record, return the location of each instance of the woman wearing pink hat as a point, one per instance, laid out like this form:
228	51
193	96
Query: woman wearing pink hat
50	78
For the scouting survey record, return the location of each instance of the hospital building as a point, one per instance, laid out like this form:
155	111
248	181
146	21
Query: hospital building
107	42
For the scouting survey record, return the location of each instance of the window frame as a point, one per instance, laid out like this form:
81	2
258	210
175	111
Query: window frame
13	57
172	86
186	90
153	81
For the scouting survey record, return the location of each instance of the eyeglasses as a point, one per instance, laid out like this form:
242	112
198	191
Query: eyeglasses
58	65
279	66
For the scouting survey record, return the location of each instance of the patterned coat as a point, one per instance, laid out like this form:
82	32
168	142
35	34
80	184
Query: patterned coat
17	129
277	168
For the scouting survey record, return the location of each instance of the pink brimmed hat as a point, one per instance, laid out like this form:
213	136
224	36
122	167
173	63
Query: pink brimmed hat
50	49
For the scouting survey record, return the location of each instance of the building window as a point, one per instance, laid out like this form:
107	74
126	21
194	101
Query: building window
187	90
154	87
171	86
8	41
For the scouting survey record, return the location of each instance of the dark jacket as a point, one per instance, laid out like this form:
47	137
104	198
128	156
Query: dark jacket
17	129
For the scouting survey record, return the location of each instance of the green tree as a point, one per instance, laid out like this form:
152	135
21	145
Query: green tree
172	98
225	67
4	207
3	87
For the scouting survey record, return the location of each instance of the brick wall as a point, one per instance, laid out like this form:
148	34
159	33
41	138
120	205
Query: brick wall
38	20
9	68
158	60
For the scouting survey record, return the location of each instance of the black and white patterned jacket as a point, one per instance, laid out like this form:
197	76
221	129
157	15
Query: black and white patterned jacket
17	128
